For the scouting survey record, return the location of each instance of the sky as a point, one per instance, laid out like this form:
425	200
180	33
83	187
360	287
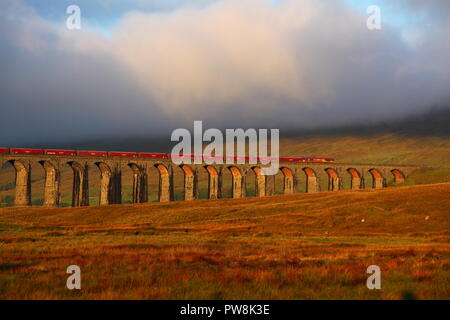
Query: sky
145	68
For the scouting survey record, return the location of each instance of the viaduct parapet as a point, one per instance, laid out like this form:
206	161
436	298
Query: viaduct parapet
296	176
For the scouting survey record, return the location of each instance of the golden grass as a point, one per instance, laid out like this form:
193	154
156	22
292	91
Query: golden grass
305	246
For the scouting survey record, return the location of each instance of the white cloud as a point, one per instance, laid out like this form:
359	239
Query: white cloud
297	59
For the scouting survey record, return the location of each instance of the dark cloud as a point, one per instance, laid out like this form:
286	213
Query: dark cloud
51	90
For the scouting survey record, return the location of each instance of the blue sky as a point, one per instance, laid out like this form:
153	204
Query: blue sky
104	14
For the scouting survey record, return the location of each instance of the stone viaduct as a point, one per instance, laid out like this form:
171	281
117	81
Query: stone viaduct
296	176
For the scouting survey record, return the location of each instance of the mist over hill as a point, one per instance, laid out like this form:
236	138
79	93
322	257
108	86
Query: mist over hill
433	123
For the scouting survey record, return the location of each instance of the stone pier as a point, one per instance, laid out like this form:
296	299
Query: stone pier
355	182
288	181
110	184
52	182
377	179
164	193
333	180
80	189
260	182
237	183
213	183
140	183
311	180
189	183
23	183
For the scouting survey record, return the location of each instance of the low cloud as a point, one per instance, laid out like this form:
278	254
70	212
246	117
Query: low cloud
233	63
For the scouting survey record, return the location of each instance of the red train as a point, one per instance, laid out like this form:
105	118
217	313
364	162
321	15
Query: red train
58	152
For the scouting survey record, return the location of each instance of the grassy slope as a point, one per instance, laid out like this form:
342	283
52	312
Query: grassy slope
292	247
379	149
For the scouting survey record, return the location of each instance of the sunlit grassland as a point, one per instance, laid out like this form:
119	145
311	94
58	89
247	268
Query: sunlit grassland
432	151
305	246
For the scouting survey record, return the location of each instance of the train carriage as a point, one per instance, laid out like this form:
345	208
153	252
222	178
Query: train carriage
122	154
60	152
153	155
287	159
92	153
26	151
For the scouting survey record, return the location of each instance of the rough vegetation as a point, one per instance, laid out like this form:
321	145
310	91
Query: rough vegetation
305	246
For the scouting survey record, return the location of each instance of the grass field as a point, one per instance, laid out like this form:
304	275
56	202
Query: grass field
305	246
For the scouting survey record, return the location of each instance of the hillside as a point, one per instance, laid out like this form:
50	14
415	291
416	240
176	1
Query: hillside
431	151
306	246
